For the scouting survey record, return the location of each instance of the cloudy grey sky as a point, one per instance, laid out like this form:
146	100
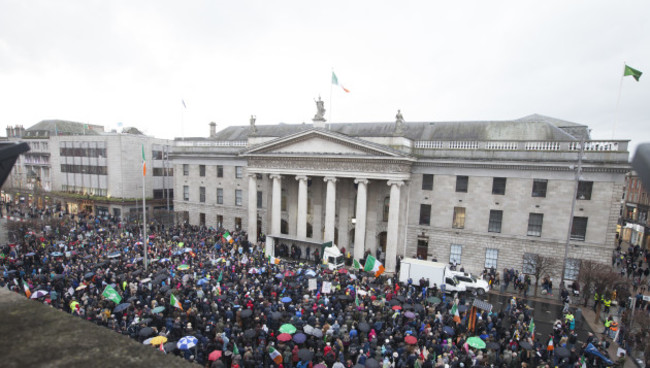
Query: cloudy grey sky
132	62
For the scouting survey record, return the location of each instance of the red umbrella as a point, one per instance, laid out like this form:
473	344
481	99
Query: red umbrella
214	355
343	270
284	337
410	340
397	307
289	273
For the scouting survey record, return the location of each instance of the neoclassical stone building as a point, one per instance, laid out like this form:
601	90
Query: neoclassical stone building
479	193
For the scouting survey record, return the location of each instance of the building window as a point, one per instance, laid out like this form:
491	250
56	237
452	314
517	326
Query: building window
530	263
238	197
459	218
186	193
584	190
386	209
219	195
571	269
239	172
219	220
202	194
496	217
491	256
535	221
219	171
425	214
427	181
455	254
539	188
186	170
499	186
283	204
259	199
237	223
201	170
202	219
461	184
579	228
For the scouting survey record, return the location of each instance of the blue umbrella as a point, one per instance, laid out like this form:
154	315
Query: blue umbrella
202	281
163	260
121	307
187	342
286	299
279	276
299	338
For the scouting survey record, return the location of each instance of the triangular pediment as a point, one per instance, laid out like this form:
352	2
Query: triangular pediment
322	142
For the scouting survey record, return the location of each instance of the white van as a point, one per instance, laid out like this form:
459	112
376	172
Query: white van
333	258
472	283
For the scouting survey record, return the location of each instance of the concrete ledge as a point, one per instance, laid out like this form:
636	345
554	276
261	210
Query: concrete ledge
35	335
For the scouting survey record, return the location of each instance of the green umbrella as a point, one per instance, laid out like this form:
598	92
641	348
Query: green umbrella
433	299
158	309
183	267
287	328
476	342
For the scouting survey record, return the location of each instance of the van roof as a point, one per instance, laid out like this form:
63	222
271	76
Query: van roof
423	262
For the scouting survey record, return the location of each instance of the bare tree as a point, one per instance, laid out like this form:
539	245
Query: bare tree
540	266
590	273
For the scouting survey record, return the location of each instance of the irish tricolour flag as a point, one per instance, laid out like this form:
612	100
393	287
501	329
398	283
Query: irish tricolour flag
227	237
175	302
144	163
26	288
374	266
275	355
273	260
335	81
454	312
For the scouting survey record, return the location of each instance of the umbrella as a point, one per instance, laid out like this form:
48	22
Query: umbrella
526	345
202	282
158	309
121	307
145	332
279	276
164	288
308	329
305	354
372	363
216	354
89	275
562	352
146	280
113	254
30	254
394	302
39	294
187	342
246	313
433	299
449	330
286	299
253	270
364	327
493	345
476	342
147	341
343	270
170	346
284	337
401	298
317	332
162	260
287	328
397	307
57	254
158	340
310	273
410	340
276	315
132	299
299	338
289	273
418	307
183	267
250	333
409	315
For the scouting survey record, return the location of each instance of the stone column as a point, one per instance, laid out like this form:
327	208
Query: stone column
360	227
252	208
301	231
330	209
276	213
393	225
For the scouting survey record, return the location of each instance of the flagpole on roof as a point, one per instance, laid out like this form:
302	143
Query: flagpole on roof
329	125
618	101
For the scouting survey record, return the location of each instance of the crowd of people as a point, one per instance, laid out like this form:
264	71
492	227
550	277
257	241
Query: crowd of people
216	299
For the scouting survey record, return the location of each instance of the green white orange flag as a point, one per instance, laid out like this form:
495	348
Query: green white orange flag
144	163
356	265
275	355
112	294
454	312
27	291
273	260
175	302
374	266
636	74
335	81
228	237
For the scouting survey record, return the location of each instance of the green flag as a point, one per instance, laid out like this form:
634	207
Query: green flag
356	299
356	265
636	74
235	351
531	326
220	276
112	295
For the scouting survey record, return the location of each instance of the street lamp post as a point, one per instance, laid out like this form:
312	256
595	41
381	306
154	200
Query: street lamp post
573	208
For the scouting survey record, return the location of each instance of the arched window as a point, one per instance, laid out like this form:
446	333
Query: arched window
386	208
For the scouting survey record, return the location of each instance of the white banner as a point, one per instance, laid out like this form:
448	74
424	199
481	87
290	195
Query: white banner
327	287
312	284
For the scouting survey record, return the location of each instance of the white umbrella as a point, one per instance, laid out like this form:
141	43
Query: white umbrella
39	294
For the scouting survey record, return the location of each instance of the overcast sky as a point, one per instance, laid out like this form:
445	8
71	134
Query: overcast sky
133	62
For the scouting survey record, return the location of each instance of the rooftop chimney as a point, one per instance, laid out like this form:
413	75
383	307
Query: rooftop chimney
213	129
